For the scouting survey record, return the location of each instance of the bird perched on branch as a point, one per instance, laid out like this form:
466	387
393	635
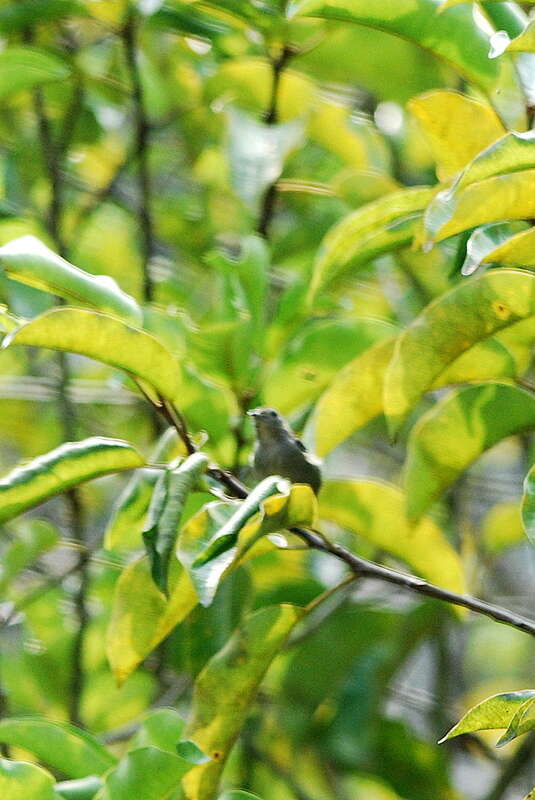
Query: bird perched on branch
279	452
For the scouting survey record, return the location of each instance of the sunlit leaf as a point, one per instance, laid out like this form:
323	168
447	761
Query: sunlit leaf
386	224
502	528
458	127
68	465
376	511
513	251
484	361
105	339
493	713
20	781
29	261
449	326
221	533
147	773
522	722
226	688
59	745
485	242
455	432
25	67
454	37
525	42
165	512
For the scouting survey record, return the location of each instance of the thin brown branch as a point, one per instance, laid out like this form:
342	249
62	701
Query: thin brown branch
141	150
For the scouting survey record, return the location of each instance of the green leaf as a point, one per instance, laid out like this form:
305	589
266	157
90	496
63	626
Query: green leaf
315	355
522	722
386	224
513	152
493	713
528	505
502	528
18	15
22	781
191	752
32	538
165	512
142	617
352	400
236	794
455	432
226	688
161	728
511	251
81	789
376	512
68	465
485	242
454	37
457	126
219	535
58	744
28	67
147	773
448	327
189	20
31	262
8	321
525	42
129	511
105	339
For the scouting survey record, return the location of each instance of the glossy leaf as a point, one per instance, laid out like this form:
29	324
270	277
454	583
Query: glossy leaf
386	224
514	251
165	511
454	37
352	400
314	357
376	512
162	727
221	533
68	465
31	262
457	126
455	432
226	688
80	789
28	67
484	243
493	713
513	152
525	42
20	781
522	722
147	773
59	745
105	339
449	326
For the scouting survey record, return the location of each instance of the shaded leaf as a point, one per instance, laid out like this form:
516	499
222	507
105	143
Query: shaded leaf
454	37
455	432
68	465
449	326
493	713
25	67
191	752
20	781
386	224
513	251
483	244
161	728
189	20
165	511
147	773
376	511
32	538
528	505
458	127
226	688
81	789
236	794
105	339
20	14
58	744
31	262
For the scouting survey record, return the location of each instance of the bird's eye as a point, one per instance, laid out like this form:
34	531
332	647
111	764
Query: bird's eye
272	413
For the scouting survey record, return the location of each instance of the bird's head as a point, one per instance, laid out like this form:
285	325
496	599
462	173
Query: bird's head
267	421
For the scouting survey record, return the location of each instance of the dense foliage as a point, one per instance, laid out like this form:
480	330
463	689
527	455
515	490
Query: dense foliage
323	206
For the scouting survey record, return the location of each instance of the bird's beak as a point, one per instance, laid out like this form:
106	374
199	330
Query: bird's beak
254	412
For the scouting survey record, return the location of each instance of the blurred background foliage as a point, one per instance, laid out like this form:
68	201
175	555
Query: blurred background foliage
198	153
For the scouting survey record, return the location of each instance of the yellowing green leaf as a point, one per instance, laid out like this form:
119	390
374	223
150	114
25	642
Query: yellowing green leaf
226	688
525	42
20	781
493	713
105	339
455	432
514	251
485	241
448	327
454	37
29	261
385	224
522	722
62	746
458	127
376	511
484	361
330	125
502	528
27	67
353	399
68	465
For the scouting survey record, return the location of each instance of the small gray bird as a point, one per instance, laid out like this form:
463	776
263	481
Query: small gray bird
279	452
